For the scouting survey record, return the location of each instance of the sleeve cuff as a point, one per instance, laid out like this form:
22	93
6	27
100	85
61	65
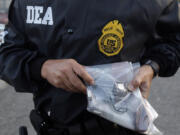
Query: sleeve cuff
35	68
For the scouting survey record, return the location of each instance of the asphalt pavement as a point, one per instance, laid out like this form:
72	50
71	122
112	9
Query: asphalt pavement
165	98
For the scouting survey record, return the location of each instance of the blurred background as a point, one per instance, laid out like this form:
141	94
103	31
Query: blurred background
15	107
4	4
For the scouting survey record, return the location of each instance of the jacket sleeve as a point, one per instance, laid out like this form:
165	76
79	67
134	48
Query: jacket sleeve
20	66
164	47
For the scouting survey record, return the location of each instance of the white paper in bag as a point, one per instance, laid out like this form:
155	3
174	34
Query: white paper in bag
110	98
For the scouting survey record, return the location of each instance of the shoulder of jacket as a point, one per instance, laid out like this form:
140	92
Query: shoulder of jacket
17	3
164	3
16	7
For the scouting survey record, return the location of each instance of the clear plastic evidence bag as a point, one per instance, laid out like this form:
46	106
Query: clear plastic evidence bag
110	98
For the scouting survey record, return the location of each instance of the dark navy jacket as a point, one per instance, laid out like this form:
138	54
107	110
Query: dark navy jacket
44	29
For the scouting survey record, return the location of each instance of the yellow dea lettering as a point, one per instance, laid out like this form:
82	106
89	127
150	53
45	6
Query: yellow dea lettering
111	42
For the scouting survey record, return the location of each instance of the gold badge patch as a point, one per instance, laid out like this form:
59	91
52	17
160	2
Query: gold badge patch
111	41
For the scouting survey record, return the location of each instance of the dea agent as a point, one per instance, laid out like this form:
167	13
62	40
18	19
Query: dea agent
50	41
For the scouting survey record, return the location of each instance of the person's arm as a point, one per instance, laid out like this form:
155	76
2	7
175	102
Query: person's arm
17	60
163	49
25	68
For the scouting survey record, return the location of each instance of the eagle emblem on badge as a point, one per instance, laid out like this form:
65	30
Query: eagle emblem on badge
111	41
